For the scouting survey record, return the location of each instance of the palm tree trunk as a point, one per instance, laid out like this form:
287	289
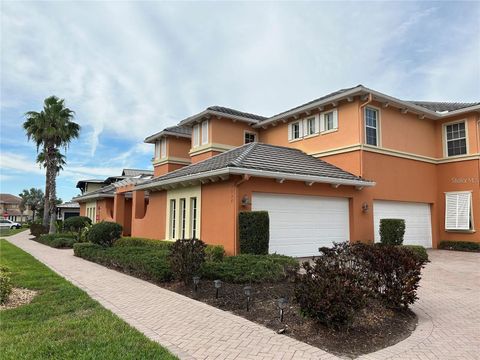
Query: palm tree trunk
52	174
46	206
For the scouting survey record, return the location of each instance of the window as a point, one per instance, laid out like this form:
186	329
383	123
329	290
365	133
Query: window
456	139
294	131
173	215
196	135
157	150
163	148
311	126
193	217
205	132
183	217
458	211
371	126
249	137
329	120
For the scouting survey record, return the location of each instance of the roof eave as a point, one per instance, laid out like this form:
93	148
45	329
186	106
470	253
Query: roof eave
152	138
460	111
206	113
86	197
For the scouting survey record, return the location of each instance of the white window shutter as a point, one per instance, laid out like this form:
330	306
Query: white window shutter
196	135
157	149
289	132
163	149
317	124
335	119
457	211
305	127
322	122
300	125
205	132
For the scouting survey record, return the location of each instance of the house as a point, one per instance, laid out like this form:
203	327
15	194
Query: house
327	170
67	209
97	196
11	209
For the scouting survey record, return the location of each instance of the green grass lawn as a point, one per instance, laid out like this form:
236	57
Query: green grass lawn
8	232
62	321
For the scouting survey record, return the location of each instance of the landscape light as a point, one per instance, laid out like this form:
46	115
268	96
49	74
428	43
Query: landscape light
218	285
282	304
196	281
247	290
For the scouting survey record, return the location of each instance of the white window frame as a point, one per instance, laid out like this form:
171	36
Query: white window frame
173	218
445	140
205	132
157	149
291	133
246	132
193	217
323	121
196	135
183	218
365	125
307	129
454	198
163	148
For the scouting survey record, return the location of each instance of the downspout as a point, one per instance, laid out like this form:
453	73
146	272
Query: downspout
244	178
478	147
360	127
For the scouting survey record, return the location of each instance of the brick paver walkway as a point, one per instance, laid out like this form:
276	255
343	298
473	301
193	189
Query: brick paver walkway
448	312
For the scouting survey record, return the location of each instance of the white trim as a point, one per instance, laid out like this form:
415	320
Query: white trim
307	126
196	136
163	148
210	147
378	128
323	127
444	137
251	133
205	130
469	209
172	159
300	134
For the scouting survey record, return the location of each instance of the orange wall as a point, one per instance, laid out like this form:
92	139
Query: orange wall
152	224
204	156
163	169
127	222
227	132
349	161
218	216
473	135
83	209
347	134
178	147
105	209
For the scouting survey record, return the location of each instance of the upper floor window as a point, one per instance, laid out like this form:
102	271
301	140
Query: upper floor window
311	126
205	132
249	137
458	211
329	120
371	126
196	135
456	139
294	131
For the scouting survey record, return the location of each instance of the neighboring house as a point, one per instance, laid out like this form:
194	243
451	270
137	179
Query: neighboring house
326	171
10	208
68	209
97	198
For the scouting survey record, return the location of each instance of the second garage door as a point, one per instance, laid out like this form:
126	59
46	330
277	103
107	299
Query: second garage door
418	225
299	225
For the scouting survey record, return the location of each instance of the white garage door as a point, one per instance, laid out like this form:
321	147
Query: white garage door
299	225
418	226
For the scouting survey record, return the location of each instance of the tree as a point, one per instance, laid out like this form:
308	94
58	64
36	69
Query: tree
34	199
51	129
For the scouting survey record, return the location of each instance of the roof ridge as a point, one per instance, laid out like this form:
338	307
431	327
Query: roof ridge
249	147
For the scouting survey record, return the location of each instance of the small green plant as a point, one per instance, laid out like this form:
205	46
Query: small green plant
214	253
105	233
5	284
38	229
76	224
392	231
254	232
59	241
186	258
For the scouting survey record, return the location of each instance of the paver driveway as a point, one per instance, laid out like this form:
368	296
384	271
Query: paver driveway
448	312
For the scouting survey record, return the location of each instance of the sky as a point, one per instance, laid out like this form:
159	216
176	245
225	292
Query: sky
130	69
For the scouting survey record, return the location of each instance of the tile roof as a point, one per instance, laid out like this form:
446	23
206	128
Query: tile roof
264	157
443	106
10	199
234	112
136	172
183	130
69	205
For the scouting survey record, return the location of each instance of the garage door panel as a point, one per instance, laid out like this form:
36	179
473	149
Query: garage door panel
417	216
299	225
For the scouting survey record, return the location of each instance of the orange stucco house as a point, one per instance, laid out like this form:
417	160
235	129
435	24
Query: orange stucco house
326	171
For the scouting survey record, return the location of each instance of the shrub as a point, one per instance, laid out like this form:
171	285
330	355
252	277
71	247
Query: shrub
334	288
394	272
59	241
104	233
144	262
5	284
246	268
254	232
134	241
38	229
392	231
76	224
459	246
214	253
419	251
186	258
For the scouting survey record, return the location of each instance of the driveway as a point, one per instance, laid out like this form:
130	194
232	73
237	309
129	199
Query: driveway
447	310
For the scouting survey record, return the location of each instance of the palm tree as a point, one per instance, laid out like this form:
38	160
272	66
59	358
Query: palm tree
33	199
51	129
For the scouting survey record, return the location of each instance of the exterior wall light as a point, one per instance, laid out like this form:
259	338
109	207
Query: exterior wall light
218	285
247	290
365	207
246	201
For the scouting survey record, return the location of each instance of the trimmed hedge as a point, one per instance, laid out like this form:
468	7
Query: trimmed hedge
59	241
246	268
144	262
459	246
135	241
419	251
38	229
76	224
5	284
392	231
214	253
105	233
186	258
254	232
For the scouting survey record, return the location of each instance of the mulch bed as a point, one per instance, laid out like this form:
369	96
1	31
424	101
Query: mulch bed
17	298
373	329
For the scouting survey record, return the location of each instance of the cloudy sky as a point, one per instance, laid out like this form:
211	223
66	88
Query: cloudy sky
129	69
